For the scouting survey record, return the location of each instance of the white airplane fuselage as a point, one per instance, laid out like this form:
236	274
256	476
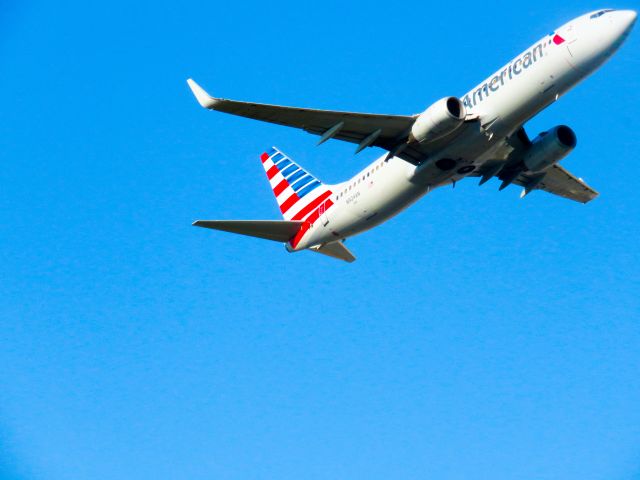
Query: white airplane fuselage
503	103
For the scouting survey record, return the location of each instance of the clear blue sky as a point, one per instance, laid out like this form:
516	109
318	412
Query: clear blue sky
478	336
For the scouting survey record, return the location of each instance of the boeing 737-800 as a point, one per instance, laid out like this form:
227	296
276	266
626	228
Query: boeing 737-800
480	134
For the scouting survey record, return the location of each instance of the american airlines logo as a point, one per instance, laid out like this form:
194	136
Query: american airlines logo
515	68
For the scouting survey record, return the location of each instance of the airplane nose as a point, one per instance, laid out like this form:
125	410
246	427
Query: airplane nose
628	17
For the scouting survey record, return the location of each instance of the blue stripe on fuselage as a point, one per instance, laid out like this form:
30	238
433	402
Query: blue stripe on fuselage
302	182
312	186
277	157
283	163
289	169
295	176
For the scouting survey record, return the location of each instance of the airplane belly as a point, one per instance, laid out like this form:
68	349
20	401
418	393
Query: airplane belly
375	199
384	202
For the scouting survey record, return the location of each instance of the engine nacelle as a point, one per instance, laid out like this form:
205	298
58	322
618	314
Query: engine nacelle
549	148
440	119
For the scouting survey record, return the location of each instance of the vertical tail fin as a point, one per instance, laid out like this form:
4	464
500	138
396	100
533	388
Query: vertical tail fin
297	192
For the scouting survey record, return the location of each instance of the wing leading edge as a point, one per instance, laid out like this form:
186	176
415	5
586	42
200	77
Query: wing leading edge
277	230
364	129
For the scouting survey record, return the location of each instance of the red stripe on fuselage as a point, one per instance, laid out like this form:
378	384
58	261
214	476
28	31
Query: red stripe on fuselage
302	213
310	221
289	202
272	172
280	187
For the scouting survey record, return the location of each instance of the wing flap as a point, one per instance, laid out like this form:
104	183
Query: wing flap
276	230
559	181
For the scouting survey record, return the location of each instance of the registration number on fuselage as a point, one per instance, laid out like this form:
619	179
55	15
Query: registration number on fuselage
352	198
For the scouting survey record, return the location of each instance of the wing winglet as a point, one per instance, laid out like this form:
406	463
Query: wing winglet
204	99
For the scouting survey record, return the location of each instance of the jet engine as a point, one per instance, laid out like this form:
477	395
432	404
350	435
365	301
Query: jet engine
440	119
549	148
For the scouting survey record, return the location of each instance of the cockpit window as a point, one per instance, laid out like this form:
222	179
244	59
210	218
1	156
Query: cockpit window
600	13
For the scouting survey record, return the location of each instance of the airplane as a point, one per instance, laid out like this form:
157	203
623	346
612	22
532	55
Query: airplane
480	135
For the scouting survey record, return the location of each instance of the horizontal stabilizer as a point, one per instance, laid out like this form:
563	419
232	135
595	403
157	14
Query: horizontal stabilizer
277	230
335	250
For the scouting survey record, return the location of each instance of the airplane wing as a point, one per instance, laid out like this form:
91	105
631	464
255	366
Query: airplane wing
365	129
556	180
559	181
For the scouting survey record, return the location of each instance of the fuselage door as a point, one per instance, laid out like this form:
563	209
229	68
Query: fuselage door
567	37
324	219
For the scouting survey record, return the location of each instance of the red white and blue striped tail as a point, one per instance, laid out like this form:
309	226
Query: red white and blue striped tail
297	192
